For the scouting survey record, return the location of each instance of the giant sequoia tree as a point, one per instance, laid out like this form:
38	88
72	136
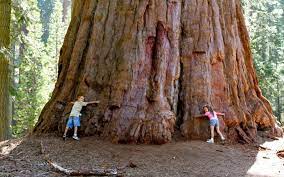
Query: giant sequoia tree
153	64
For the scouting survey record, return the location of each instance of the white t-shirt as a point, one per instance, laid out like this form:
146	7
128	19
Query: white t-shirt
77	107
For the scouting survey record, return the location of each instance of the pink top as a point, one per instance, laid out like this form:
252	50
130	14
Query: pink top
210	116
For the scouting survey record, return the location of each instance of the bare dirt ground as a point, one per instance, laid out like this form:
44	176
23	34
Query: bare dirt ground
23	157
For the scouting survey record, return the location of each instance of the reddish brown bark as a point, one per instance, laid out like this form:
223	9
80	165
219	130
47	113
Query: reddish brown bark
153	64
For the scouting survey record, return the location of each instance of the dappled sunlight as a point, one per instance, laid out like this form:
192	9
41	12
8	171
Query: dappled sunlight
7	146
267	163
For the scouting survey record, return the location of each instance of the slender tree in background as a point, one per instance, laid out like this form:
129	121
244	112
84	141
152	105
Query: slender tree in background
153	65
46	9
58	26
66	4
5	99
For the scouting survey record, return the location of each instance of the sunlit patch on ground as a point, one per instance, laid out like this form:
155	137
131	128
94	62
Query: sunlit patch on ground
7	146
267	163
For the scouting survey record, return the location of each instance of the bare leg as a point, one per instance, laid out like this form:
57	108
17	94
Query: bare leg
75	131
211	140
75	137
212	131
219	132
65	132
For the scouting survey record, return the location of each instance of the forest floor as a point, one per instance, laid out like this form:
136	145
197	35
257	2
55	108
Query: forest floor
24	157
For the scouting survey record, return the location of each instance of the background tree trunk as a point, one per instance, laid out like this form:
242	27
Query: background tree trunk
66	6
153	64
5	100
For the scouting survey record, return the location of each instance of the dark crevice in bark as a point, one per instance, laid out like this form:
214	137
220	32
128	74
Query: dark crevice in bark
82	65
81	68
151	50
180	103
124	25
79	56
145	14
68	46
107	13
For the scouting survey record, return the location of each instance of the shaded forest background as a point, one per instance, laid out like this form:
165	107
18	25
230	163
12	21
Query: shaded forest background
38	28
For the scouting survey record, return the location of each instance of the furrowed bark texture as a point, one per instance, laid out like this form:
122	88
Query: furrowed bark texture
153	64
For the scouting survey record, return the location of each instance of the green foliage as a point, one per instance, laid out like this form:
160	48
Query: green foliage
52	48
46	8
27	58
34	60
265	20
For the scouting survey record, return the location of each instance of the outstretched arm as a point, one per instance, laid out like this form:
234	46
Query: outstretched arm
199	116
92	102
220	114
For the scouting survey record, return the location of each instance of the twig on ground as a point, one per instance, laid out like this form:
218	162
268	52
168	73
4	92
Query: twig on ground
70	172
260	147
273	137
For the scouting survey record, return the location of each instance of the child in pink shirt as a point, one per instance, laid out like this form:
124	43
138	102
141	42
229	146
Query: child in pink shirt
213	121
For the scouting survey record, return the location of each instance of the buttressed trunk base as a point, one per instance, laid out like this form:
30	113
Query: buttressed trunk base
153	64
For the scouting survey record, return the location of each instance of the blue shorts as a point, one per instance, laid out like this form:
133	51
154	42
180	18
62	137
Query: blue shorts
73	121
214	122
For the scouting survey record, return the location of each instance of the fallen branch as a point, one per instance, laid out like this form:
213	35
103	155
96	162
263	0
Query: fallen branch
90	172
262	148
272	137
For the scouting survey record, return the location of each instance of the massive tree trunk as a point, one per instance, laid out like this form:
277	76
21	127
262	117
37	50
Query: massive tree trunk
5	100
153	64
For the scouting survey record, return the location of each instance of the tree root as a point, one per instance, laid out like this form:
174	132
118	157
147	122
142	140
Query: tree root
88	172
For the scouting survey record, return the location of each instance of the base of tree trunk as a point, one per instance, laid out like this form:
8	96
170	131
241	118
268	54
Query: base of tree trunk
157	130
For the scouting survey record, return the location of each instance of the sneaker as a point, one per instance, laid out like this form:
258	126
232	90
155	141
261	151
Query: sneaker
223	139
76	138
64	138
210	141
